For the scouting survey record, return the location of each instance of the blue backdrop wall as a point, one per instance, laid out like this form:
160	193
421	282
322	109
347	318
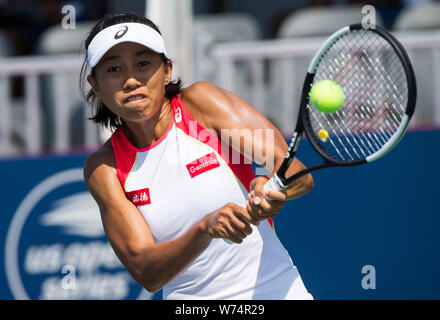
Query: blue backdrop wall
381	216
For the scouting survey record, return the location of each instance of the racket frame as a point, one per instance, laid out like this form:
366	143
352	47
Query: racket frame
279	181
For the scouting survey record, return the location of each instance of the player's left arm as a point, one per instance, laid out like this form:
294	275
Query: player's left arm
222	110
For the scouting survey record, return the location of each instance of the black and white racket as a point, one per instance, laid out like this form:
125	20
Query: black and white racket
379	86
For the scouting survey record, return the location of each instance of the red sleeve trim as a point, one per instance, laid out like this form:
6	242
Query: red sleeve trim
125	156
184	121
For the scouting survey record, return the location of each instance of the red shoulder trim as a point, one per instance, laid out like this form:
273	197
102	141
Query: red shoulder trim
184	121
125	156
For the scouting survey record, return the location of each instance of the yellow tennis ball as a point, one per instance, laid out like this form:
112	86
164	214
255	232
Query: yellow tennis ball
323	135
327	96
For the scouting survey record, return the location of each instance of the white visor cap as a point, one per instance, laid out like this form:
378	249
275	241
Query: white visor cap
123	32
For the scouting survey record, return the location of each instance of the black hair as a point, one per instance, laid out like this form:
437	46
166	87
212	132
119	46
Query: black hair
100	113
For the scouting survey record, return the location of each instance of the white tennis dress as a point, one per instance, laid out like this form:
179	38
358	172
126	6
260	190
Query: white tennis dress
186	175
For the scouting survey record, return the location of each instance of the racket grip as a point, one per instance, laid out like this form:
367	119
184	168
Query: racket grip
274	183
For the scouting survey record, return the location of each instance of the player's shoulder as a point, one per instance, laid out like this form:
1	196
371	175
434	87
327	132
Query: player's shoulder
201	87
100	162
204	94
206	101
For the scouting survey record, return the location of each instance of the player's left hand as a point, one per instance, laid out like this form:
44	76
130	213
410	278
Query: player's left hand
258	205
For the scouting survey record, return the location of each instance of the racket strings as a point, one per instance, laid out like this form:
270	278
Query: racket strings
376	94
335	146
369	83
346	76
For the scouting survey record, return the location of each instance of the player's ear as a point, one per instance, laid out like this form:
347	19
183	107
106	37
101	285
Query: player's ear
168	72
91	80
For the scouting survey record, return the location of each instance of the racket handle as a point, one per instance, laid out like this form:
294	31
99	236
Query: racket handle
274	183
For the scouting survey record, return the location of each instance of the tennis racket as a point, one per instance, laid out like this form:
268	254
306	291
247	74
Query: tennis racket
379	86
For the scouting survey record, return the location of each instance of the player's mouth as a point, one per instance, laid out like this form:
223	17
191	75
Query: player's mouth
135	97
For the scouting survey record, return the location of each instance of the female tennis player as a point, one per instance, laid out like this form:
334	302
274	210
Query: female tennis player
168	188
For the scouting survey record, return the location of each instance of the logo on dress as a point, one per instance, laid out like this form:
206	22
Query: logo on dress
178	115
139	197
203	164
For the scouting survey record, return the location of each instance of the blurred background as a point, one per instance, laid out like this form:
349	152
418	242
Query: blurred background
260	50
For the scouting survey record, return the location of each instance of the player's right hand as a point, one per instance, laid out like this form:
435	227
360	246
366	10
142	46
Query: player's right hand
229	222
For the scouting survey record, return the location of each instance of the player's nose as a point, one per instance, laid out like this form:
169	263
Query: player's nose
131	83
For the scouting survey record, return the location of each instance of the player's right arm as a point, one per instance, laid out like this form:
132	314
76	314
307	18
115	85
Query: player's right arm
152	264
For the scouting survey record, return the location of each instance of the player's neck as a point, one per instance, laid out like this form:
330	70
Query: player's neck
144	134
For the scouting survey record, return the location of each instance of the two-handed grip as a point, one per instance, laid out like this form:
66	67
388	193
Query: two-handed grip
273	183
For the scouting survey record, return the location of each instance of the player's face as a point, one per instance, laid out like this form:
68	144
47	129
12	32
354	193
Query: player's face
131	79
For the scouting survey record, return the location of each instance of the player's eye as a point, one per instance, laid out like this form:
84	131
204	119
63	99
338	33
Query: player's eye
113	69
143	63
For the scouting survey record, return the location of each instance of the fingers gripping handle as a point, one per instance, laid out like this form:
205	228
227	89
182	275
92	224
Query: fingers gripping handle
273	183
